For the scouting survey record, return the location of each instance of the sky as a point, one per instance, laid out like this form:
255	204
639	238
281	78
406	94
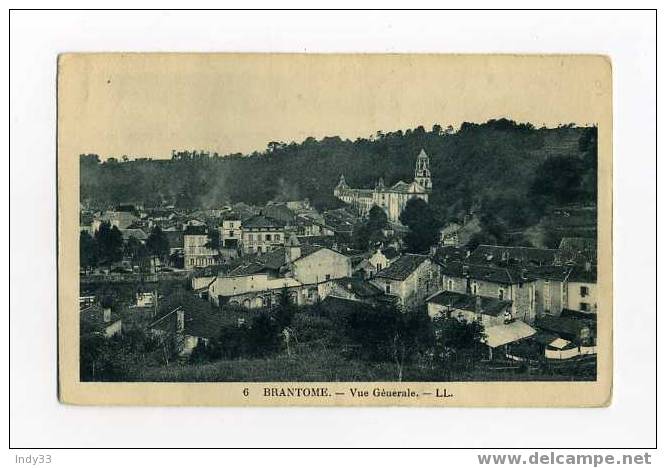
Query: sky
148	104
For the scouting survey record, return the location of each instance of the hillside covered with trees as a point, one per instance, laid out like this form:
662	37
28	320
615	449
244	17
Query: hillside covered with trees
511	171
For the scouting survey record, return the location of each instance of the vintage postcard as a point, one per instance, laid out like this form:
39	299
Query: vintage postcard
335	230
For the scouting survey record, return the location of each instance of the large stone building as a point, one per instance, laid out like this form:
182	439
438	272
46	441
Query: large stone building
195	248
296	269
391	199
262	234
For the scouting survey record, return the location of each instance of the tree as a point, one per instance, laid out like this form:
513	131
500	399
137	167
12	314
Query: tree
263	335
135	249
213	241
109	241
157	243
87	250
423	226
454	337
370	232
558	180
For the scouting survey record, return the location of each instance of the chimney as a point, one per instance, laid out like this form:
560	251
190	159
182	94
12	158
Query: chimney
465	270
588	266
507	316
106	314
292	249
180	320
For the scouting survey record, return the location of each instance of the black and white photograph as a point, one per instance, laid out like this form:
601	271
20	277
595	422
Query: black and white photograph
423	251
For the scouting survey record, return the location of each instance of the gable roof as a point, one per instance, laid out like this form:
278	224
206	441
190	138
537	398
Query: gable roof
581	275
273	260
489	305
499	335
561	325
138	234
550	272
260	221
521	255
390	252
195	230
449	253
403	267
486	273
358	287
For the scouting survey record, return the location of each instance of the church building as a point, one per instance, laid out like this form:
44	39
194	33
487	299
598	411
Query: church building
391	199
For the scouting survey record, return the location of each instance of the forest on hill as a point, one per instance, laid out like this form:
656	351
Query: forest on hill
509	170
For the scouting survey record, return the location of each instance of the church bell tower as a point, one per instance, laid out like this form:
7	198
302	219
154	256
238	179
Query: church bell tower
422	173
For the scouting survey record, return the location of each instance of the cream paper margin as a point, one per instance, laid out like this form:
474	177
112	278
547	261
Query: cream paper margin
591	99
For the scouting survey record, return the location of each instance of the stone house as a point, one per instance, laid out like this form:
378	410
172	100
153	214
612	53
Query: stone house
582	289
489	281
489	311
410	279
196	253
262	234
295	269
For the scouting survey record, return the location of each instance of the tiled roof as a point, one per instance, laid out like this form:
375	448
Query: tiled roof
403	267
489	305
520	255
269	261
448	254
550	272
390	252
191	230
581	275
499	335
138	234
486	273
561	325
359	287
261	221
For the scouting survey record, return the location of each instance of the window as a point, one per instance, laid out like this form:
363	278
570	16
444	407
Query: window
268	237
388	288
277	237
584	306
584	291
500	294
474	289
450	285
328	277
250	237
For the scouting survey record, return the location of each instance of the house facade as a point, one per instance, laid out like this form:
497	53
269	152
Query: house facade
489	311
503	284
196	253
410	279
231	234
582	290
293	269
262	234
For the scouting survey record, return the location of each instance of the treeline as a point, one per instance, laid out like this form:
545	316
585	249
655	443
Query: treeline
496	167
107	246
